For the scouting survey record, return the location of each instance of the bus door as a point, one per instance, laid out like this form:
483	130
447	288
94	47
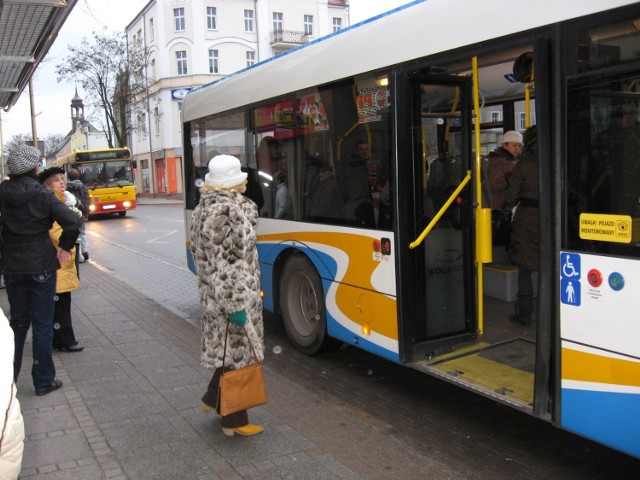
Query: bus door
442	277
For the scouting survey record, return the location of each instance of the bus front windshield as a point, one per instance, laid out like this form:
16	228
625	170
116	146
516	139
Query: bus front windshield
106	174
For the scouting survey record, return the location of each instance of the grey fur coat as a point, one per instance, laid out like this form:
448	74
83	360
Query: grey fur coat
223	242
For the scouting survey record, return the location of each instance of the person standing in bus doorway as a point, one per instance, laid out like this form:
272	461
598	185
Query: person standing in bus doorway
523	192
223	242
78	189
30	260
501	163
67	281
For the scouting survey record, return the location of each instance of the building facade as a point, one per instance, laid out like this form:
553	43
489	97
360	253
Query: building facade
194	42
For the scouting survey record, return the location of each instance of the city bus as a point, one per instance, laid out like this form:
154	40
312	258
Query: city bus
108	175
401	263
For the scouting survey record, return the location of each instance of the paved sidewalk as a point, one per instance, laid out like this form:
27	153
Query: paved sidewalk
129	409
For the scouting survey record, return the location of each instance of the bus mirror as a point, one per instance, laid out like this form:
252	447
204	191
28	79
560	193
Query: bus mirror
523	67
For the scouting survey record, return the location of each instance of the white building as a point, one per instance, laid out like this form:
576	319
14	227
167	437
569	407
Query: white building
194	42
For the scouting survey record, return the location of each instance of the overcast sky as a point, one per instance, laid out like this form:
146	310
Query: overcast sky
52	100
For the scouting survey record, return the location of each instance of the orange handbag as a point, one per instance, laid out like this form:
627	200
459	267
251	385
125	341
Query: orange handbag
243	388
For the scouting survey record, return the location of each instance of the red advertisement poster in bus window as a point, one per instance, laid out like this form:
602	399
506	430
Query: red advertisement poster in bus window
310	117
372	102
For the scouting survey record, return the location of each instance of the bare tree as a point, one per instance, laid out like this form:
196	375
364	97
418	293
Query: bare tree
108	71
51	141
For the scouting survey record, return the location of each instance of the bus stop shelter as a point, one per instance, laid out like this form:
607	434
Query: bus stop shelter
28	29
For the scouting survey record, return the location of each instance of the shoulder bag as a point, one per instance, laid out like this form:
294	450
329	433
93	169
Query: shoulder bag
243	388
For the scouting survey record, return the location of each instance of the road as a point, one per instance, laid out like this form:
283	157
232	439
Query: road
477	437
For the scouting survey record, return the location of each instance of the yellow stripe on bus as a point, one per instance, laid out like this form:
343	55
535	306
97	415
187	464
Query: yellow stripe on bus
588	367
376	310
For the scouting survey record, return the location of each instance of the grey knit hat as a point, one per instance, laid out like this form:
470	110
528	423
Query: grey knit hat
22	159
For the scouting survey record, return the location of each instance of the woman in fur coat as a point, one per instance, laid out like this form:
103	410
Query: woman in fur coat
223	242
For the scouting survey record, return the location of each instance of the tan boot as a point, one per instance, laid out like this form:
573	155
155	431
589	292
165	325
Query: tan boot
248	429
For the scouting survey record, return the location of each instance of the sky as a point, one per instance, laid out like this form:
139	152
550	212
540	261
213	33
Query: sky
52	99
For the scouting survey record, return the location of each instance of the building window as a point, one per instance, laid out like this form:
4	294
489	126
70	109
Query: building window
277	22
495	116
178	17
142	126
153	69
151	33
248	20
308	24
522	121
251	58
156	116
337	24
211	18
213	61
139	42
181	58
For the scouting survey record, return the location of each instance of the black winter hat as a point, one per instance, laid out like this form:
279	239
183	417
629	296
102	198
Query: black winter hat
49	172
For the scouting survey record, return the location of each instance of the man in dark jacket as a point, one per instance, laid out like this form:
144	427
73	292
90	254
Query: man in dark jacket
30	260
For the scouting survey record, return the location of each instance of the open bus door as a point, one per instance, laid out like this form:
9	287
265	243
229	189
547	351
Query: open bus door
442	266
442	330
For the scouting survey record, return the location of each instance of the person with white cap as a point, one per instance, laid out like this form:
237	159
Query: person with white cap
501	162
30	260
223	242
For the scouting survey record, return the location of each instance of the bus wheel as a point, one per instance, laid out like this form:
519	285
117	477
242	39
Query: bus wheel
302	305
122	213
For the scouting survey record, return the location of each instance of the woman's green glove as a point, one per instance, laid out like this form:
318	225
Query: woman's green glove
239	317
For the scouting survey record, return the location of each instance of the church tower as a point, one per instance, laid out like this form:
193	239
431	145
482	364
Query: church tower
77	111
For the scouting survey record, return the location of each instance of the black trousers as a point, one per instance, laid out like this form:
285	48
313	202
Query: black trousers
63	335
210	398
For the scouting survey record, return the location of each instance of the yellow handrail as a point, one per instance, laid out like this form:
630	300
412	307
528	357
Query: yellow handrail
443	209
484	252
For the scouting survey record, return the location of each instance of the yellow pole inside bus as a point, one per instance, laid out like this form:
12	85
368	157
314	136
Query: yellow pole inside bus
484	252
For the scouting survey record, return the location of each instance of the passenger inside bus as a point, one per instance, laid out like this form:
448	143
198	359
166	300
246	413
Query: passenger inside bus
284	204
270	160
353	177
376	212
327	203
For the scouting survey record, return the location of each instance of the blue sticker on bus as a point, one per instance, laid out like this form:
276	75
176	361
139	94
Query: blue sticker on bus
570	292
570	267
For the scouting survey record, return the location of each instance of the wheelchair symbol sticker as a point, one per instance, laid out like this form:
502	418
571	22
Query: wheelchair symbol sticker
570	266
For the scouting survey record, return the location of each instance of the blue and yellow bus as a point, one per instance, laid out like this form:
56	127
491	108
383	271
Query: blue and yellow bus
108	175
398	114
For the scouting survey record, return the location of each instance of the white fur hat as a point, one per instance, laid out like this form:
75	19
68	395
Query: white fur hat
512	137
224	171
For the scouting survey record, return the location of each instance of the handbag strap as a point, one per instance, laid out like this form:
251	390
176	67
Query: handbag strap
226	337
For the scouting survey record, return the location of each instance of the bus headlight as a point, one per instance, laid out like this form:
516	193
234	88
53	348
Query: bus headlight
126	204
92	208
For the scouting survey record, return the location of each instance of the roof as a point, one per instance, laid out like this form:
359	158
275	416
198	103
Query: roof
28	29
414	30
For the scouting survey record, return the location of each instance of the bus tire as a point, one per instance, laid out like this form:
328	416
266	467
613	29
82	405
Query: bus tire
303	308
122	213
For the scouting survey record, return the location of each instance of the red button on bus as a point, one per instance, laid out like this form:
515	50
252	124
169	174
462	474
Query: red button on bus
594	277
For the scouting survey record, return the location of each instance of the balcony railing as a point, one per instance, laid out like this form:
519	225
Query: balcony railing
288	37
